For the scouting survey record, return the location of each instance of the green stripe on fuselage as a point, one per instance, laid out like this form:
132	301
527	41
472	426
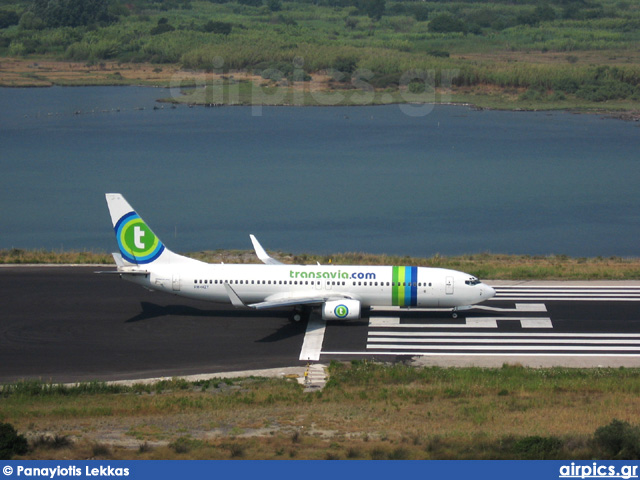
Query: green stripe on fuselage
398	289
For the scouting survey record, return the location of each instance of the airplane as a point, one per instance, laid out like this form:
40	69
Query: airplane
341	291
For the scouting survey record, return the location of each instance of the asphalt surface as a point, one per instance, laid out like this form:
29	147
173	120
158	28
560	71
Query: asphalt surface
68	324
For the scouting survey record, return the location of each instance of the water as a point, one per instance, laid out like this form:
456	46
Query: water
319	180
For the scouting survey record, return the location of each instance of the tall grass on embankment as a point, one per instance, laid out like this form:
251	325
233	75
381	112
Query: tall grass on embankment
366	411
483	265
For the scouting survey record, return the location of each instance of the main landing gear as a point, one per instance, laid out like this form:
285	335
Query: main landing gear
300	312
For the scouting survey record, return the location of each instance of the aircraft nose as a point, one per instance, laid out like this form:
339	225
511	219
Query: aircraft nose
489	291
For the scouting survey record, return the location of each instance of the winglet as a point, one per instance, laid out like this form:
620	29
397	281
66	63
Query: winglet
233	296
262	254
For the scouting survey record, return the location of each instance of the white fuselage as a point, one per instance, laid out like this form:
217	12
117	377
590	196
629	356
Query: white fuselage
370	285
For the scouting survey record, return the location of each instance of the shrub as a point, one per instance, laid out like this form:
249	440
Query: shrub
182	445
345	64
600	91
619	440
47	442
532	95
11	443
222	28
384	81
163	26
537	448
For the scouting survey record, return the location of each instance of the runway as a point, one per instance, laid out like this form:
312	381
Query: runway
68	324
553	324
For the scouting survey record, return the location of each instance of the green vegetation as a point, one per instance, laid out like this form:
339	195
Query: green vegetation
10	442
366	411
484	265
524	54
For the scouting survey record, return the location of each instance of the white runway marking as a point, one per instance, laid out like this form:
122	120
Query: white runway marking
569	293
537	348
313	338
394	334
484	322
471	322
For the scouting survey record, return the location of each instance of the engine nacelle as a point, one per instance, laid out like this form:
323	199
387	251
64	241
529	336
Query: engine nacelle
341	310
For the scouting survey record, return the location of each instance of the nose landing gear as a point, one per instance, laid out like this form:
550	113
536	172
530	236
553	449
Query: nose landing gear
454	312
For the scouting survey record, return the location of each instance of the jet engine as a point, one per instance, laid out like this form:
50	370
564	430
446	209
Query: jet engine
341	310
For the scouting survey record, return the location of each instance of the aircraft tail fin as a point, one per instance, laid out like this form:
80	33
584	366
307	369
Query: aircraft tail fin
137	243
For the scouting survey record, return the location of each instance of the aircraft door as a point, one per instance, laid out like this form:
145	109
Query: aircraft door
448	286
175	283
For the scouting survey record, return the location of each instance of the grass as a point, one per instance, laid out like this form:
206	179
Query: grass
485	265
366	411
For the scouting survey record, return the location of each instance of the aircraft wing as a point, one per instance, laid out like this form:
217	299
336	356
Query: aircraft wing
262	254
281	301
288	302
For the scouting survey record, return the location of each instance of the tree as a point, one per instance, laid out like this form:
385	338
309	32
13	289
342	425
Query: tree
545	12
8	18
72	13
373	8
446	23
274	5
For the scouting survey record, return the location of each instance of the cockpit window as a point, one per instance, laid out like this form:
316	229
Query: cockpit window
472	281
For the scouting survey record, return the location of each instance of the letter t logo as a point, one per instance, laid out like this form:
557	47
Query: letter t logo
138	233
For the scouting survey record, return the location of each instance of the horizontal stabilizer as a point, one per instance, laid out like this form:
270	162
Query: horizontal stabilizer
123	268
124	272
